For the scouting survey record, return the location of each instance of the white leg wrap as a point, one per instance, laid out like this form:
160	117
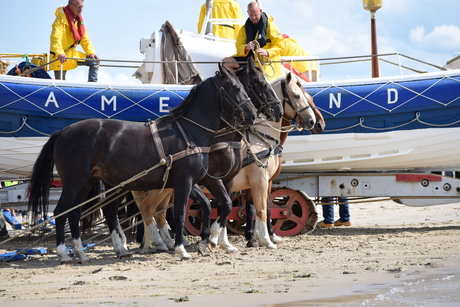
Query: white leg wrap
61	252
182	253
225	244
215	232
164	233
78	249
264	237
157	241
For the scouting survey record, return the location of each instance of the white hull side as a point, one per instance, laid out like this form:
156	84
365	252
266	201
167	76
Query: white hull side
18	155
422	149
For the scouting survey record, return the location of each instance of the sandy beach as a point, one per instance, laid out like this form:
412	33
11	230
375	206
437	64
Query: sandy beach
388	244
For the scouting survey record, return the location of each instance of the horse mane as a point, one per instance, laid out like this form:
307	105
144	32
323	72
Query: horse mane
179	111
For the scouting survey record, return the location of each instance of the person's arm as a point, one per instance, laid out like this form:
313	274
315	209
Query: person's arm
276	38
88	46
201	19
241	43
56	37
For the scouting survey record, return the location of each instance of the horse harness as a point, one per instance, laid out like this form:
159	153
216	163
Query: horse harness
191	148
277	149
255	90
168	161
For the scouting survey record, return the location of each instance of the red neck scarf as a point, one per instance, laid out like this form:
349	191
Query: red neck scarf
76	33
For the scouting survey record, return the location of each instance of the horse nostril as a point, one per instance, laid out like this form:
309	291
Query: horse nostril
254	118
312	123
319	127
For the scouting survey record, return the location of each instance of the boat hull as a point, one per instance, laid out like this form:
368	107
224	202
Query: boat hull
400	123
416	150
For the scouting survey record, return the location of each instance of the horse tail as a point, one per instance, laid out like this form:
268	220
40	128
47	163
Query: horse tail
87	222
42	176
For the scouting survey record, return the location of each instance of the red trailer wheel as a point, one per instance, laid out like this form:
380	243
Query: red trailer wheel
236	223
194	216
295	207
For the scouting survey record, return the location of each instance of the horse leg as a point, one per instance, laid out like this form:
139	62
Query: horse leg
250	214
181	196
275	239
259	194
168	219
147	209
160	219
116	231
70	196
60	237
207	237
219	228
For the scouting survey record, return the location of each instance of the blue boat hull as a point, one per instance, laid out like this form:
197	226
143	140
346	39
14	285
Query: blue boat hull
366	106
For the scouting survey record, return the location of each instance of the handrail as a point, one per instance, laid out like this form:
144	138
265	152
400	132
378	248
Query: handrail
319	60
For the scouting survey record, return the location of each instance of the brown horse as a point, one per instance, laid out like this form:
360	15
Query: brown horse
171	152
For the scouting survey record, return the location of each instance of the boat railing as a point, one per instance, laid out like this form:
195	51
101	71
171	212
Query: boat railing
136	64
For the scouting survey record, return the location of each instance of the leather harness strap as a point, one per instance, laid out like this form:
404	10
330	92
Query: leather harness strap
225	145
191	149
168	161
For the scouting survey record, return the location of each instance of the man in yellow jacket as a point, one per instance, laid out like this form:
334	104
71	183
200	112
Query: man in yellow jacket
292	48
261	37
224	9
68	31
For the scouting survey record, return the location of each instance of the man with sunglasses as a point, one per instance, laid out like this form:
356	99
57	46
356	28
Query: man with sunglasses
68	31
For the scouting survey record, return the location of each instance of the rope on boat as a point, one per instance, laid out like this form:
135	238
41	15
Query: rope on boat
262	60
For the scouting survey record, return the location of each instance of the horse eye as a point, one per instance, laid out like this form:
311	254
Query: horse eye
296	96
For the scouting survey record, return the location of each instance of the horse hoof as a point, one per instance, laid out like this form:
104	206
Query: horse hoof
162	248
232	251
67	262
276	240
129	255
271	246
201	246
252	243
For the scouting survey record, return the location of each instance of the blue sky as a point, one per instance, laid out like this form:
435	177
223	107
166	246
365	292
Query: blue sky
428	30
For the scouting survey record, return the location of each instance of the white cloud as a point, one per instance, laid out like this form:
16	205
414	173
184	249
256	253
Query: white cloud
441	37
417	35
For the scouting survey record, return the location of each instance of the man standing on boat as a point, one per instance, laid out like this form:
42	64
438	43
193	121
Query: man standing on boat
68	31
261	37
224	9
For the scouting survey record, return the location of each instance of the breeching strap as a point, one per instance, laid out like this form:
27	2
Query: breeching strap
168	161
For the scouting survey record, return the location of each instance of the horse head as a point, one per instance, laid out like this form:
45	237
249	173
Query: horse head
296	104
236	103
260	91
320	124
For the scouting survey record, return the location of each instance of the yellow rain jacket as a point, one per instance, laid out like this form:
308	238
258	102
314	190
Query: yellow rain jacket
292	48
223	9
273	47
62	42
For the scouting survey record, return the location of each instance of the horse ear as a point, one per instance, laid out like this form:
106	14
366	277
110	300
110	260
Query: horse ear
288	77
224	70
251	62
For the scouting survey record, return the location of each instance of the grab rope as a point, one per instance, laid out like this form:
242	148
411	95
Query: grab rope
262	60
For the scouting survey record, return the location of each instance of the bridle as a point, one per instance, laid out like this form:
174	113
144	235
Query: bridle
287	100
266	104
225	97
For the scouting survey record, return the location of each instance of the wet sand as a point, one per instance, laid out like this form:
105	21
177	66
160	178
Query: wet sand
388	245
